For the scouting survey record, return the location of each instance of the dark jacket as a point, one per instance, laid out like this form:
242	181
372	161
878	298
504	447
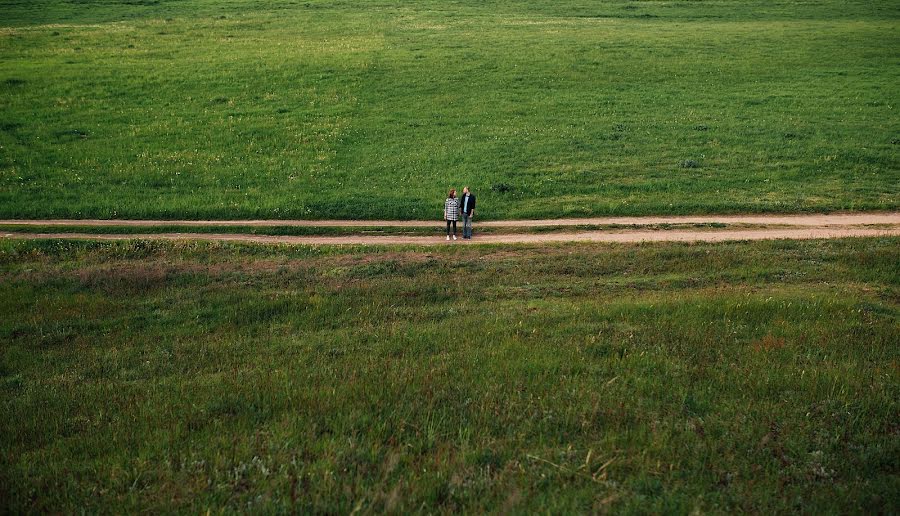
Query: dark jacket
471	207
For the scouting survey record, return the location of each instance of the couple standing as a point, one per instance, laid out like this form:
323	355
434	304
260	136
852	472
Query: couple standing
454	207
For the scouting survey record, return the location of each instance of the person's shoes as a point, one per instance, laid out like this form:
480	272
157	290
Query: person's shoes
454	237
448	238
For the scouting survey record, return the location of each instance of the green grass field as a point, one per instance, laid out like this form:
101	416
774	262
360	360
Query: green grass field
372	109
162	377
157	377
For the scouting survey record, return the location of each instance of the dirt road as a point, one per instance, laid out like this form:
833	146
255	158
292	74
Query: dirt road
838	225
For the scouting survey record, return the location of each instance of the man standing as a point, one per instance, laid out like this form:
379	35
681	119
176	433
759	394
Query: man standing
467	207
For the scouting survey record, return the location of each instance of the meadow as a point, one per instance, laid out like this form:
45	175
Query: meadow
162	377
373	108
192	377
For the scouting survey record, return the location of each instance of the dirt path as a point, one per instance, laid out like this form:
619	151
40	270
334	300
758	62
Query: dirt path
808	220
585	236
800	227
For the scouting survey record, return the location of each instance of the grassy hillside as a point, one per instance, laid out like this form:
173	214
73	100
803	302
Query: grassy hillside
372	109
665	378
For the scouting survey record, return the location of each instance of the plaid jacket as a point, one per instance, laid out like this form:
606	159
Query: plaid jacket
451	209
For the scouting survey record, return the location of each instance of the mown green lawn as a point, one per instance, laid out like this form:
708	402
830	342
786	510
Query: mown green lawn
158	377
372	109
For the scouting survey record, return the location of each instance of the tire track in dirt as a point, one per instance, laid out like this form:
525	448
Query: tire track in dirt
810	220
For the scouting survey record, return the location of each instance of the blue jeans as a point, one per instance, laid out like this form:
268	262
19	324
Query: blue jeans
467	226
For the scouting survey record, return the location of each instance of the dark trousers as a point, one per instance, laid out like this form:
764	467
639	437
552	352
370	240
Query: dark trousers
448	227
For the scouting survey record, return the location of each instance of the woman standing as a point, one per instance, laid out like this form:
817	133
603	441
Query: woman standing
451	212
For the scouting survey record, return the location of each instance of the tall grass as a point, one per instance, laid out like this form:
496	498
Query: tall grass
758	377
